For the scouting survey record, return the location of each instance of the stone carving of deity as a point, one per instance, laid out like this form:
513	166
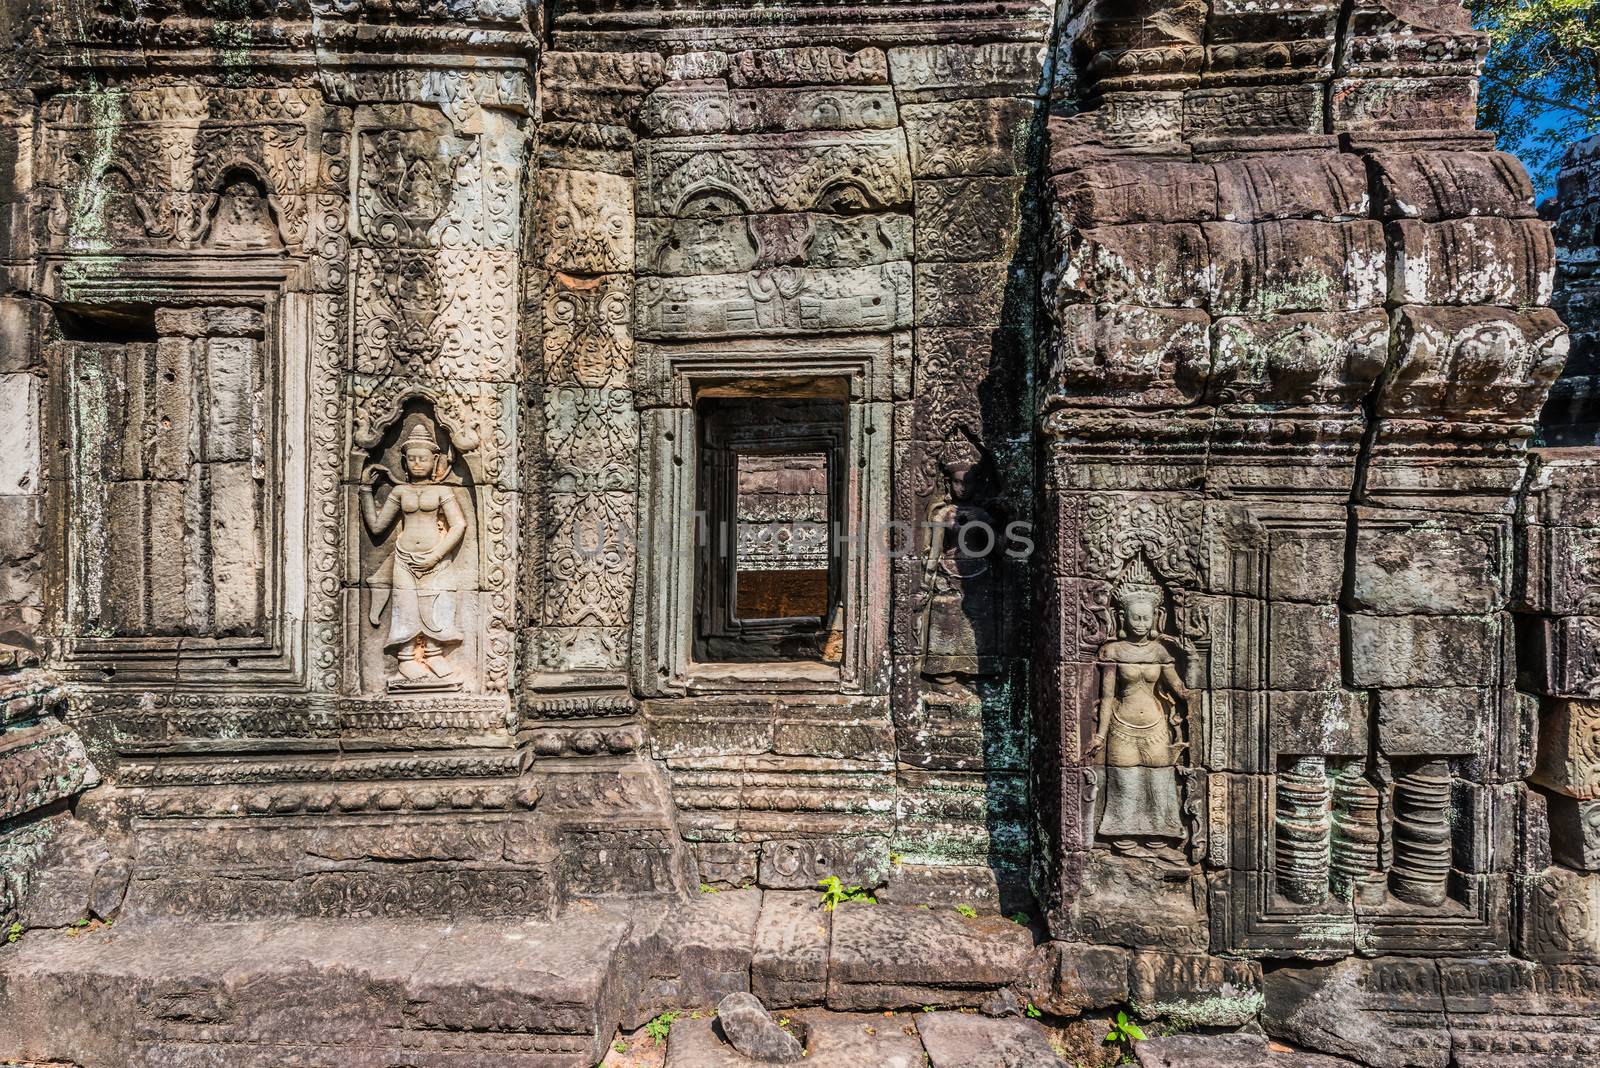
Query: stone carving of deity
959	597
1137	729
419	583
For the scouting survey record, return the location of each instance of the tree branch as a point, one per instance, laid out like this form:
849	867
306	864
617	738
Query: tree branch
1516	90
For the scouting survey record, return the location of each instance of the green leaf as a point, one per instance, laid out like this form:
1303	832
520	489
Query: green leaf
1135	1032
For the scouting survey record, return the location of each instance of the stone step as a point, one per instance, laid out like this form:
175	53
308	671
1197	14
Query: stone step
514	994
357	994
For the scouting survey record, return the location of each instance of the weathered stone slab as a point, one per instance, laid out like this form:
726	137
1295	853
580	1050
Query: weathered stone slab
1066	978
699	952
1387	1012
1207	1051
894	957
524	995
1423	651
1195	989
789	964
959	1040
848	1038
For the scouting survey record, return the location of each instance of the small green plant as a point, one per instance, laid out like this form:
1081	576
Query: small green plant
13	933
1033	1011
968	911
1019	918
1124	1030
620	1046
660	1027
707	888
835	893
927	1008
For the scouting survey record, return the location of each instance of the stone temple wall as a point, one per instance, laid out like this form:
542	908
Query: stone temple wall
1569	417
369	370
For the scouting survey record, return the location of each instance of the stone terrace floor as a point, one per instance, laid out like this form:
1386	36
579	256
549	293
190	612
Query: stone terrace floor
870	985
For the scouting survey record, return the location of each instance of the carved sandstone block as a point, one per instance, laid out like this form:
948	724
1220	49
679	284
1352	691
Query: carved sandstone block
1435	567
1441	720
967	137
776	302
1134	191
1331	187
1066	978
1303	646
1559	909
735	243
19	434
1455	362
1575	832
684	177
1346	1009
587	221
1150	264
700	107
1423	651
808	65
897	957
1433	186
1505	262
1295	265
800	863
966	294
1378	105
1561	657
962	219
1299	358
1252	109
1331	722
1194	989
1568	760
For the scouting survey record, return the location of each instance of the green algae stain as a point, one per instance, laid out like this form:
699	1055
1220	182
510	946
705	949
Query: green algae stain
87	218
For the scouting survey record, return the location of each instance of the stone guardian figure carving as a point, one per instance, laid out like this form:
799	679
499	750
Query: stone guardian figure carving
959	596
1137	727
419	583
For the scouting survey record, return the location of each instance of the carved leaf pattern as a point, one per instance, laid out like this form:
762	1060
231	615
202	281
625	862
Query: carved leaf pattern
1117	529
589	554
587	339
443	314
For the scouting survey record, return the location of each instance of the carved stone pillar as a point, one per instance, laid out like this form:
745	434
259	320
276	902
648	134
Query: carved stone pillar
1261	350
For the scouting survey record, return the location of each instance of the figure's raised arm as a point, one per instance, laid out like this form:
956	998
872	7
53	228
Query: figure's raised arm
377	519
